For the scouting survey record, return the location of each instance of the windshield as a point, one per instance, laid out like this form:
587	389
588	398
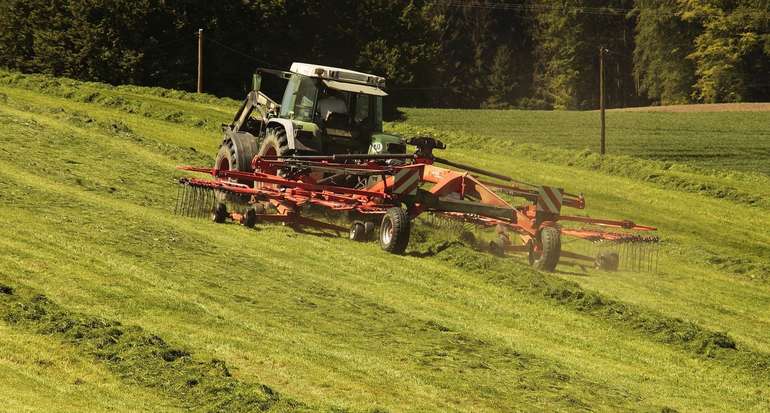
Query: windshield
368	111
299	98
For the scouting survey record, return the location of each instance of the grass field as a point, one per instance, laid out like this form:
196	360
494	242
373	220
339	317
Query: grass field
110	301
692	137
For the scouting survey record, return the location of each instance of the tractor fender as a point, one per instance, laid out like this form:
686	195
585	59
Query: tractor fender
288	126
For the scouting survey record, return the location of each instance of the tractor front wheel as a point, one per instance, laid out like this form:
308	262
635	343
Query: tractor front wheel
394	231
547	257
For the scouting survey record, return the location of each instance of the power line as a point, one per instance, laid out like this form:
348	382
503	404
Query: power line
236	51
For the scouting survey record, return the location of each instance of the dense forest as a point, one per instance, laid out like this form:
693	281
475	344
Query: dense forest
441	53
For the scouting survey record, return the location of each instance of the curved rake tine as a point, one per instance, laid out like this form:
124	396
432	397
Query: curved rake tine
178	195
185	200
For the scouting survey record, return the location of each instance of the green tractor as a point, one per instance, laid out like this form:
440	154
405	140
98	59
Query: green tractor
324	111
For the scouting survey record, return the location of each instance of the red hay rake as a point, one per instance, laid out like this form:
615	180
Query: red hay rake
391	190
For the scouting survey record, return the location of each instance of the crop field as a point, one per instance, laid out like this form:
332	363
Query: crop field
109	301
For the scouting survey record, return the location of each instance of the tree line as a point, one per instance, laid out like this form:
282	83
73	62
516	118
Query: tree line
439	53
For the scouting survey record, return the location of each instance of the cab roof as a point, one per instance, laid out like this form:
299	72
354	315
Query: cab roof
333	76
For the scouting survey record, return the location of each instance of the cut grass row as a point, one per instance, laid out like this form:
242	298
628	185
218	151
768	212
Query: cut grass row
143	359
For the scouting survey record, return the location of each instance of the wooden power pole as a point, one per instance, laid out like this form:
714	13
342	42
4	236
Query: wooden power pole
200	60
602	50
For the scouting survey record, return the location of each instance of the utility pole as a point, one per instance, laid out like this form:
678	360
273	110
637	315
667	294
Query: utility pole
602	50
200	60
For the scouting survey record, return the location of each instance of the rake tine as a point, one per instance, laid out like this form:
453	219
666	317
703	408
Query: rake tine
194	209
199	205
626	255
198	195
650	248
194	201
204	203
185	200
190	200
201	198
207	204
212	201
178	195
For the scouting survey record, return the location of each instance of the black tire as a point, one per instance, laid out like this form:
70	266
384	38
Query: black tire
275	143
250	218
236	152
219	215
394	231
497	247
608	261
358	232
548	258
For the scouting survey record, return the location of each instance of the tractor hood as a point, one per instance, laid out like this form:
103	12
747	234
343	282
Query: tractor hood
354	88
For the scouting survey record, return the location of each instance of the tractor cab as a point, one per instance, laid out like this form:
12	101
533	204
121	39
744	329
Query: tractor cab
342	108
324	110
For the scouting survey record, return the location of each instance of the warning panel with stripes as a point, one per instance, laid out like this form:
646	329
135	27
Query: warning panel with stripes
406	181
549	199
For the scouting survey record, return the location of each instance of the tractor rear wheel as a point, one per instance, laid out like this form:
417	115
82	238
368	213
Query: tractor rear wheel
394	231
235	154
548	257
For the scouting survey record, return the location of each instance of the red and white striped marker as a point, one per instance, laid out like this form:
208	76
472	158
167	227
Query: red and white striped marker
406	181
549	199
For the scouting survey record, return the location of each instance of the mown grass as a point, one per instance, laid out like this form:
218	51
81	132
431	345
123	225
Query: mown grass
40	373
692	138
87	190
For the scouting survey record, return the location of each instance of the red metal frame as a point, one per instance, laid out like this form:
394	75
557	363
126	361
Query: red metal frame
451	193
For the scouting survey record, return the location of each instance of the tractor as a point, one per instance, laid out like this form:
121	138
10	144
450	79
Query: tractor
351	124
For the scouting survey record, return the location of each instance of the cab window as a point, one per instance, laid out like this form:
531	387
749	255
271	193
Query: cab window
300	98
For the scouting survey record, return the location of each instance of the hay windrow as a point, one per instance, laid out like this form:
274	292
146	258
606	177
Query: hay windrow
683	334
145	359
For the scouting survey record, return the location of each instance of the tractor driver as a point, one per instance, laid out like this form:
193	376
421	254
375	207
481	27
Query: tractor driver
333	102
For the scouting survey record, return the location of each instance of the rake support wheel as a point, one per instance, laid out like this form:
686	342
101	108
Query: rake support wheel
358	232
219	214
608	261
548	257
250	218
394	231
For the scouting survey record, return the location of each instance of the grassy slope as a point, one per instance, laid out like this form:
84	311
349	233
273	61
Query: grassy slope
334	323
39	373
